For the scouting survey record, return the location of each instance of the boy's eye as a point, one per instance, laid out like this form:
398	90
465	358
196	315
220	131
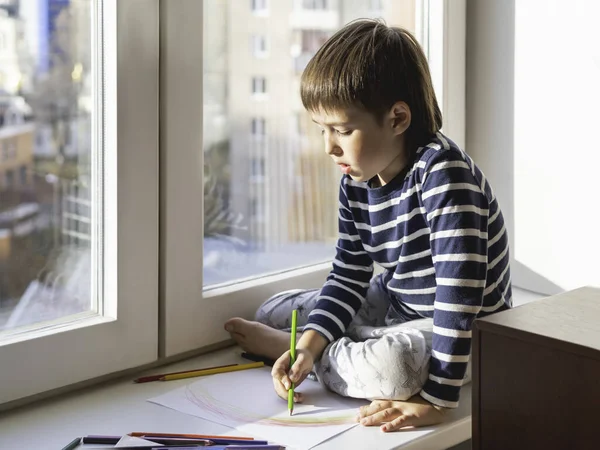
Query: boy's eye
338	132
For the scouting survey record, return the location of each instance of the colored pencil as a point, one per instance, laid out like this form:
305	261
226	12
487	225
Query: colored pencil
200	373
189	436
157	377
157	446
73	444
182	442
94	439
112	440
248	447
292	359
213	441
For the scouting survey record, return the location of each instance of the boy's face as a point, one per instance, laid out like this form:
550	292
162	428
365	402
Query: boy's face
362	147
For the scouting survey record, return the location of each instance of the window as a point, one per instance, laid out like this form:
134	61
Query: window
312	40
73	246
217	259
258	127
10	179
220	261
314	4
259	46
259	6
259	85
23	175
257	169
309	42
257	209
46	289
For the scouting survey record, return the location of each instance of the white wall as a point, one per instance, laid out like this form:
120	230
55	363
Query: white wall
533	93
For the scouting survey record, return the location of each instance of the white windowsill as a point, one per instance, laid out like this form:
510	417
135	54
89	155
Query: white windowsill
120	407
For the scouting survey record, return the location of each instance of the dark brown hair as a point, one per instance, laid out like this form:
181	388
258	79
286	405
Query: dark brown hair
371	66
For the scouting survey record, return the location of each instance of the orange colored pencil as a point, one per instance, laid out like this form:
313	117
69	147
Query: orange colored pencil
189	436
203	372
149	378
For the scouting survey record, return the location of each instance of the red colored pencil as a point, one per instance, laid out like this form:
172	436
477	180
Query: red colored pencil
149	378
189	436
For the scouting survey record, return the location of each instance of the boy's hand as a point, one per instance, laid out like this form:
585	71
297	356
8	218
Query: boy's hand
283	376
394	414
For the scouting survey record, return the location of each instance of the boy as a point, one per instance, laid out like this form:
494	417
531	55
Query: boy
411	201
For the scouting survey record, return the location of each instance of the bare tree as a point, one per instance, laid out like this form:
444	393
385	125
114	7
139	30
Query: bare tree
219	219
55	94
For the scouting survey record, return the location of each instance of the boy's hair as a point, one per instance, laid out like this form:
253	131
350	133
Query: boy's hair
371	66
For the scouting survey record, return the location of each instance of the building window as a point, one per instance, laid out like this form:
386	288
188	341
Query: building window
259	6
10	179
258	126
259	85
257	210
259	46
257	168
315	4
308	42
312	40
23	175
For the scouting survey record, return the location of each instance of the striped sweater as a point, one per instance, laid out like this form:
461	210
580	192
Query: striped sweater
438	231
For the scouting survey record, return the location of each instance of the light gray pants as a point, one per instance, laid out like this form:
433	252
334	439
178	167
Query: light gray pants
381	356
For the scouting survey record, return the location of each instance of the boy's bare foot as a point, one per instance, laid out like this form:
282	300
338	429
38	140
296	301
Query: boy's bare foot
257	338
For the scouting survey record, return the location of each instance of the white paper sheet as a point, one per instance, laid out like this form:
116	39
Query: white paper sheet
132	441
246	401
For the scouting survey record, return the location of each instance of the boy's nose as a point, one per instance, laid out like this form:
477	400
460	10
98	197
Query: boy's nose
332	148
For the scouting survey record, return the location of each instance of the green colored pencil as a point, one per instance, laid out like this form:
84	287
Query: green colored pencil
292	359
73	444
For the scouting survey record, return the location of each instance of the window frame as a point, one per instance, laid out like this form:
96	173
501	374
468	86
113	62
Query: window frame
123	334
192	317
444	27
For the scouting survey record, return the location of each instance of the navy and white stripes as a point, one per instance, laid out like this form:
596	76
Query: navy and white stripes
439	232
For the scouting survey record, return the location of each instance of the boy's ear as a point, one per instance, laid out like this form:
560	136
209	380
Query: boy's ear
399	117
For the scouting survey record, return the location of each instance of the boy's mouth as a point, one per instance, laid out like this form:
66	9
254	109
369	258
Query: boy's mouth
345	168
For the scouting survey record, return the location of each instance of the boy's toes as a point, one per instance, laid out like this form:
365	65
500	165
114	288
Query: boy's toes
234	325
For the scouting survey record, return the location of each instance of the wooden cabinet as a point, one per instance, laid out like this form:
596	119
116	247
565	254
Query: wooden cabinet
536	375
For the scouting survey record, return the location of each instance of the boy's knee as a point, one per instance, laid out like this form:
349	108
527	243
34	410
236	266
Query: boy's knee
403	370
384	368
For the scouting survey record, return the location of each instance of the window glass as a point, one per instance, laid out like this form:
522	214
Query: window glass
46	161
274	186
